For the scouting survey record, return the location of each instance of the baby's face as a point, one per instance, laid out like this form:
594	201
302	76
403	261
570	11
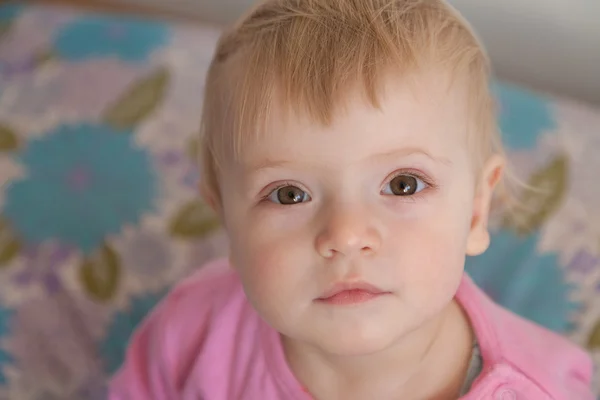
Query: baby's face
381	198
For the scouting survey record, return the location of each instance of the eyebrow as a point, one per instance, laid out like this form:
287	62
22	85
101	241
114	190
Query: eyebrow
269	163
409	151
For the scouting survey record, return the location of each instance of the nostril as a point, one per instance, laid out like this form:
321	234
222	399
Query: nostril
366	249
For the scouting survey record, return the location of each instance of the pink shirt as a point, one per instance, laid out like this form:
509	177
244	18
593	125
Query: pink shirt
205	341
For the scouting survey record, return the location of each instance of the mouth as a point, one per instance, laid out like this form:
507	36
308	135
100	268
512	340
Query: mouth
351	293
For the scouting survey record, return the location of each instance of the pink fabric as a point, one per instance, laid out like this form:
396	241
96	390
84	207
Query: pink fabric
205	341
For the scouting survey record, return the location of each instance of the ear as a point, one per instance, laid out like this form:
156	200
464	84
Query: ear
479	237
211	198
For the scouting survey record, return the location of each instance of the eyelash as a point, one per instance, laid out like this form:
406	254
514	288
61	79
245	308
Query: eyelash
429	184
415	174
279	186
415	197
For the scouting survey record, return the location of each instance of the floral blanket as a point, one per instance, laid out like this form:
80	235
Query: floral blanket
99	213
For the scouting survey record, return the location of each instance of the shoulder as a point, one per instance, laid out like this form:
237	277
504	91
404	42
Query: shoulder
183	336
557	367
196	304
213	286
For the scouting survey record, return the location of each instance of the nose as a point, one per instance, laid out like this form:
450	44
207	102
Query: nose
348	231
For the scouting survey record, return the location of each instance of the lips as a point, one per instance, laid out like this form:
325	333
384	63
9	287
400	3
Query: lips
351	293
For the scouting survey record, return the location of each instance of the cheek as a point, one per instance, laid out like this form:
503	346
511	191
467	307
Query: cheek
271	263
431	252
437	229
266	244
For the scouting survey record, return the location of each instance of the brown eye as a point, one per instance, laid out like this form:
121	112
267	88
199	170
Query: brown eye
289	195
404	185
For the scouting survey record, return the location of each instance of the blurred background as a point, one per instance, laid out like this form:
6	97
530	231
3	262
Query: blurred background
549	44
99	211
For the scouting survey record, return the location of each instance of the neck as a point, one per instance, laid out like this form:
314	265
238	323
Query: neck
417	365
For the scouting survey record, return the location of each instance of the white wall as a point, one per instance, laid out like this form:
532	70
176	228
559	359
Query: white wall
552	45
549	44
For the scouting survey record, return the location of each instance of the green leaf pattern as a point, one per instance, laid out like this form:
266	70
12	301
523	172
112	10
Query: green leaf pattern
139	101
593	341
100	273
9	244
544	195
194	220
8	139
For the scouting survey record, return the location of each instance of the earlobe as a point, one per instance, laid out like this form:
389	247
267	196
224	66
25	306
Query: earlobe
479	241
479	236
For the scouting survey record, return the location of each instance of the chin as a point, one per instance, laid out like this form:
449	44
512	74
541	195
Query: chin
355	343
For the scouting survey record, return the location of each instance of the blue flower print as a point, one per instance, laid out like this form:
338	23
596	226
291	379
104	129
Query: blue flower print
122	326
524	116
528	283
99	36
83	182
5	358
9	12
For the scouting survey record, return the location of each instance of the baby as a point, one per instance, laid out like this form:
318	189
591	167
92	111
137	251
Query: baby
350	149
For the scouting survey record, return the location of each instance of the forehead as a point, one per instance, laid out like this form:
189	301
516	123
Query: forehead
426	111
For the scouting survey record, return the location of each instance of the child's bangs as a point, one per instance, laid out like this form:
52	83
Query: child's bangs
308	59
301	78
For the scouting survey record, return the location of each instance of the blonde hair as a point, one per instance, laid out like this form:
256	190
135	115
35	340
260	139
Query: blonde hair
311	53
